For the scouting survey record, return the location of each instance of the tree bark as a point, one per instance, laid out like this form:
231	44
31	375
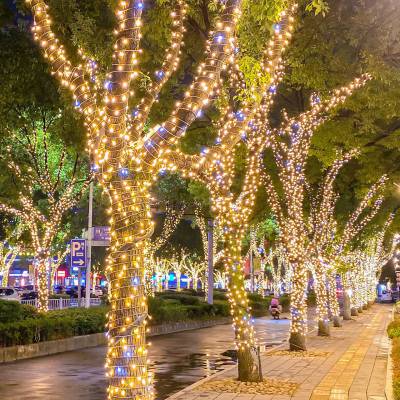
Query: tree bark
333	301
298	309
43	288
322	301
248	370
127	367
346	306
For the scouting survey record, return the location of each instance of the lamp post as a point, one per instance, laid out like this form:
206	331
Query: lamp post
89	246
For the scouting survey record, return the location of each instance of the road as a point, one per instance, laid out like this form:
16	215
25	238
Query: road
178	360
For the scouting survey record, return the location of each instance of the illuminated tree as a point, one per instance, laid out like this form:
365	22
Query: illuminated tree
172	219
242	129
290	145
194	269
128	153
10	247
329	243
55	264
177	266
362	266
220	278
322	225
279	269
51	180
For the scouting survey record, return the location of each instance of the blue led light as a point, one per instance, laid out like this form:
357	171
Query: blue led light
162	132
240	116
123	173
160	74
139	5
94	167
220	38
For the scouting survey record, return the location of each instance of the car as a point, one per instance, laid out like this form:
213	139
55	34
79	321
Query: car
59	289
9	293
28	288
73	291
386	297
29	295
98	291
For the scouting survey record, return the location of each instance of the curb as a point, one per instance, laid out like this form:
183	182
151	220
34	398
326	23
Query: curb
41	349
389	371
230	368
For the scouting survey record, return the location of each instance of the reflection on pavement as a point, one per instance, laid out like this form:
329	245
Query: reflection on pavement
177	360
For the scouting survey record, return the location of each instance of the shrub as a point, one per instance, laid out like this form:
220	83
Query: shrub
285	302
53	325
59	296
222	308
394	328
169	313
220	295
11	311
181	297
396	367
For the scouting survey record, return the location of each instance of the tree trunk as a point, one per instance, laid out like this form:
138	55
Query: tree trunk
298	309
43	288
127	367
4	280
333	301
346	305
248	370
322	301
178	281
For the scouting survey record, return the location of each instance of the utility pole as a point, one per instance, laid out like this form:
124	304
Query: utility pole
210	260
89	246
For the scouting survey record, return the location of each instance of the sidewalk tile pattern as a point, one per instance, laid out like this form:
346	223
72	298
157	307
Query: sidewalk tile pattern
355	368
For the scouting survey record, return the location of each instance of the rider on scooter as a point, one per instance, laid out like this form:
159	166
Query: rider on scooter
275	308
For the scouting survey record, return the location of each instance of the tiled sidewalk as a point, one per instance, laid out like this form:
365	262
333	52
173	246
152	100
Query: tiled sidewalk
355	368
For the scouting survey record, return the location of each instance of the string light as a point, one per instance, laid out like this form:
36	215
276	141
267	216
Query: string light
128	160
290	144
61	196
9	252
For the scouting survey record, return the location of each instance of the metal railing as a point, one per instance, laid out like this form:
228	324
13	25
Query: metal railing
59	304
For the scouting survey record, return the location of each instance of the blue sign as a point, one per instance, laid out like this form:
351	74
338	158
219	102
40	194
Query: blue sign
78	253
101	233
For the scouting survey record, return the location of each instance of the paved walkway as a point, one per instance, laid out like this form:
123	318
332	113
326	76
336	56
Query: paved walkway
353	366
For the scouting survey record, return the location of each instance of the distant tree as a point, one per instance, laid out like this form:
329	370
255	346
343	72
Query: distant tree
49	180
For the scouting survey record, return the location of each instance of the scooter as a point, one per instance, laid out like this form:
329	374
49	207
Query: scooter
275	312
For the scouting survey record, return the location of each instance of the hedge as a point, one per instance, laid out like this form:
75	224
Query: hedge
394	333
22	324
52	326
12	311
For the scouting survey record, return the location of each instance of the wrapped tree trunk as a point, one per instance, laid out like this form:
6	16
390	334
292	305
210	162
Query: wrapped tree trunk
248	370
298	309
333	301
126	364
43	287
322	300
